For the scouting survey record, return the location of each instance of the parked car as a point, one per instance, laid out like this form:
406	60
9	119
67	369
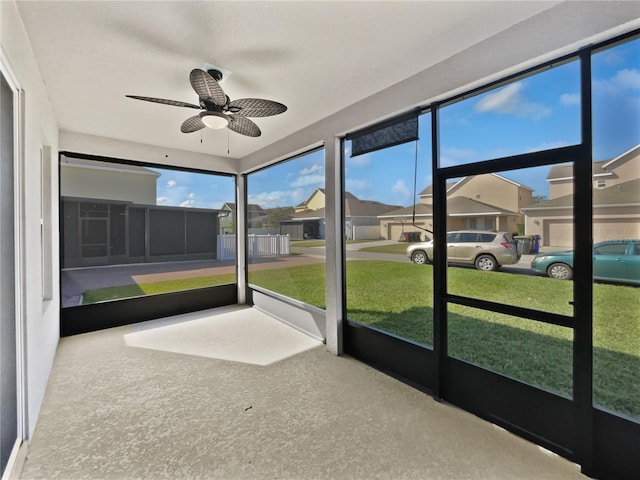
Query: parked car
485	249
613	261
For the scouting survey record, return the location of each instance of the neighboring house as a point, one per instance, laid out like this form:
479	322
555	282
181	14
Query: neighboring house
109	216
100	180
616	202
361	217
228	219
488	201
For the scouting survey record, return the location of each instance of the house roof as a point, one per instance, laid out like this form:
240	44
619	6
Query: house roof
627	193
450	185
565	170
429	189
456	206
420	208
600	168
347	195
629	154
460	206
353	207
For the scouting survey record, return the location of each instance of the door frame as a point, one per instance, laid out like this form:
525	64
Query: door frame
22	427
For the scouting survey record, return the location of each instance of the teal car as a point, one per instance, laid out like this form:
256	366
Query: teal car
613	261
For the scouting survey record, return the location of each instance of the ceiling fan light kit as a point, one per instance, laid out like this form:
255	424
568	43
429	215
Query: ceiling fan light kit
214	120
218	109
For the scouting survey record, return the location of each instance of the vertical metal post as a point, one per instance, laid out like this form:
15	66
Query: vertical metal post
583	279
241	238
334	239
439	259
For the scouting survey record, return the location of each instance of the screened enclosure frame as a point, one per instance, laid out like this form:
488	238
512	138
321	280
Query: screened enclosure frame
125	311
604	443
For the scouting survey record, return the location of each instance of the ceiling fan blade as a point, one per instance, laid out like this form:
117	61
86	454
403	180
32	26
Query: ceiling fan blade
192	124
243	126
164	101
207	87
256	107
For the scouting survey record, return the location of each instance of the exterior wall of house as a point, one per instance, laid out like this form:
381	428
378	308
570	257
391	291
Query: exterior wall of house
426	199
624	172
548	223
316	201
560	188
525	197
489	189
108	184
392	230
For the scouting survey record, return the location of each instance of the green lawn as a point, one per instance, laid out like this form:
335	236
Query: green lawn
397	298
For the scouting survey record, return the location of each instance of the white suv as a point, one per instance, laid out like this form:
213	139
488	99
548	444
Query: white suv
486	249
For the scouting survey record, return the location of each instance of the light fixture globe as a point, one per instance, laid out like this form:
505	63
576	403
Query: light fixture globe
215	120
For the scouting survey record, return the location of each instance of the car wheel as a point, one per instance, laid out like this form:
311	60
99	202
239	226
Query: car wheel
560	270
419	257
486	263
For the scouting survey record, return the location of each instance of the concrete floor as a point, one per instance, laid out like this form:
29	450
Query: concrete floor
167	400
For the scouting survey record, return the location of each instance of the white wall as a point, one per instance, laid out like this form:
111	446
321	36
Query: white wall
41	318
119	149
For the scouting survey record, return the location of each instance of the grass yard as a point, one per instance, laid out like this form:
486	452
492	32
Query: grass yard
397	298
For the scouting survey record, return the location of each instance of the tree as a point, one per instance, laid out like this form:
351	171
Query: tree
277	215
539	198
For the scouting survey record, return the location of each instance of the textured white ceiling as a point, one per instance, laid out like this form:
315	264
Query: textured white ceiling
315	57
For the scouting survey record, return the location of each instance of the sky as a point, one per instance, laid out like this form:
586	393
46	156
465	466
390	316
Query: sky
531	114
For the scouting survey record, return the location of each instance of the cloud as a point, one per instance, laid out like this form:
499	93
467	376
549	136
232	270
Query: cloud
510	100
458	153
190	202
547	146
570	99
276	198
455	156
171	183
357	186
628	79
624	80
312	169
162	200
400	188
307	181
361	161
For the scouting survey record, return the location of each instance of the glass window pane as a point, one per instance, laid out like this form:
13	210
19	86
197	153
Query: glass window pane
531	114
286	227
384	220
532	352
616	228
531	209
158	230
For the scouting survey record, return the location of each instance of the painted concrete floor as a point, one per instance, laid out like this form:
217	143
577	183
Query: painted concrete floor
231	394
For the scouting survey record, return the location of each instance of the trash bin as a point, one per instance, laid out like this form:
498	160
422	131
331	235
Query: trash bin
536	244
523	243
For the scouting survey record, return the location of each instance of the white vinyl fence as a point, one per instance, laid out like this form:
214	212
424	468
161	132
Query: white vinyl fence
257	246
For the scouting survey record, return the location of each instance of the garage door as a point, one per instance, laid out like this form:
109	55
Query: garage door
395	230
616	229
558	233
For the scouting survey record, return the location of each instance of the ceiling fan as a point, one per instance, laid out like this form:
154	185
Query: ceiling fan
218	111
